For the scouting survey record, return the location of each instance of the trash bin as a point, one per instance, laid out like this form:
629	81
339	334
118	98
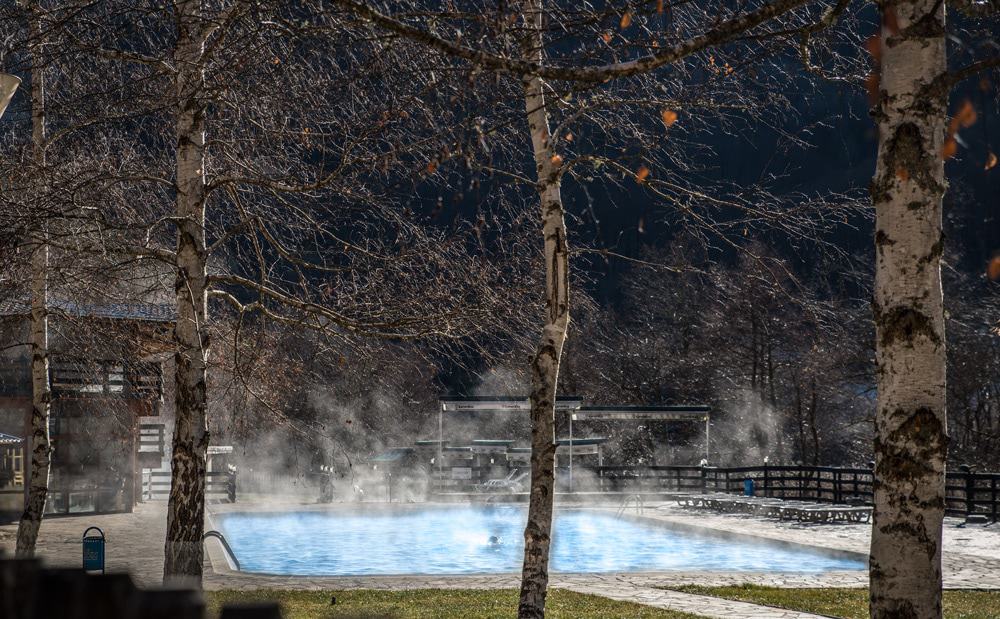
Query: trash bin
748	487
93	550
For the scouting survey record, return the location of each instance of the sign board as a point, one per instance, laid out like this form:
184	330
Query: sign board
502	404
93	551
578	450
461	472
643	414
489	449
488	406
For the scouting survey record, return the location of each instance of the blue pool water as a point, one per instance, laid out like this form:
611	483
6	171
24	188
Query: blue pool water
456	540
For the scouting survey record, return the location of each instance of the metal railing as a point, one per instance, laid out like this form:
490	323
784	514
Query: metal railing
152	438
634	500
79	377
219	486
225	546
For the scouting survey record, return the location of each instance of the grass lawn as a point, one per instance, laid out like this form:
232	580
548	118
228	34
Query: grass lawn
849	603
433	603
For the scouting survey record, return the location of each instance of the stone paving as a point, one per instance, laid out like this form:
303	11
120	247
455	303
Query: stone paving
135	544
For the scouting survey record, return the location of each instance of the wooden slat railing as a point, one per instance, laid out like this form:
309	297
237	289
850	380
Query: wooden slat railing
967	492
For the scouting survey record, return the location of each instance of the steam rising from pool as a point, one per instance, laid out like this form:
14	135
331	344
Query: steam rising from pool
456	540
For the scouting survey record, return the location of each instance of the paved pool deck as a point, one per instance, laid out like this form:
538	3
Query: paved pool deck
135	543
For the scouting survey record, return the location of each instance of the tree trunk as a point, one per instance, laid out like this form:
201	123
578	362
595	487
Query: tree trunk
41	391
186	511
911	432
813	406
777	414
800	417
545	364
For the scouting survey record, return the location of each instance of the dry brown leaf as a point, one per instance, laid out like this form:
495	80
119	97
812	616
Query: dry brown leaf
641	174
949	149
966	115
991	161
871	86
556	160
993	269
669	117
606	37
874	46
626	20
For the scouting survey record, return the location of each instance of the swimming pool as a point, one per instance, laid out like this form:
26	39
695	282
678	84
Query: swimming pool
456	540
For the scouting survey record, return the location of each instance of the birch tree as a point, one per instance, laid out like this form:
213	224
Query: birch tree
41	390
545	363
183	547
911	422
911	441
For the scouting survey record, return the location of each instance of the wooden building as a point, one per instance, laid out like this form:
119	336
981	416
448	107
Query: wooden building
106	373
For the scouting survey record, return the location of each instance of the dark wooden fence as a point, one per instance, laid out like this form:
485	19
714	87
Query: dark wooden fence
30	591
967	492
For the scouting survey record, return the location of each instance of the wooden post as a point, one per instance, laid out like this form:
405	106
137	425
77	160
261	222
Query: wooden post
130	499
993	497
970	489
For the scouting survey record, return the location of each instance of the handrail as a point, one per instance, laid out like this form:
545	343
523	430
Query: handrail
637	499
225	545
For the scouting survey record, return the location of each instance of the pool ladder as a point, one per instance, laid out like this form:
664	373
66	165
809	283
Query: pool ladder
632	500
225	546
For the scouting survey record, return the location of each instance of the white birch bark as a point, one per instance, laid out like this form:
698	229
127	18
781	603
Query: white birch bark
183	550
8	86
911	430
545	364
41	391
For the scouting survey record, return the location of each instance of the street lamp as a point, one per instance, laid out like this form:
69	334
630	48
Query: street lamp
8	84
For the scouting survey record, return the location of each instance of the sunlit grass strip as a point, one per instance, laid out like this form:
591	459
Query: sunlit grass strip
847	603
433	604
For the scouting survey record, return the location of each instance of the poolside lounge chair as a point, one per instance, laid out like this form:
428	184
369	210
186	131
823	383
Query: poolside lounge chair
511	483
777	508
831	513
